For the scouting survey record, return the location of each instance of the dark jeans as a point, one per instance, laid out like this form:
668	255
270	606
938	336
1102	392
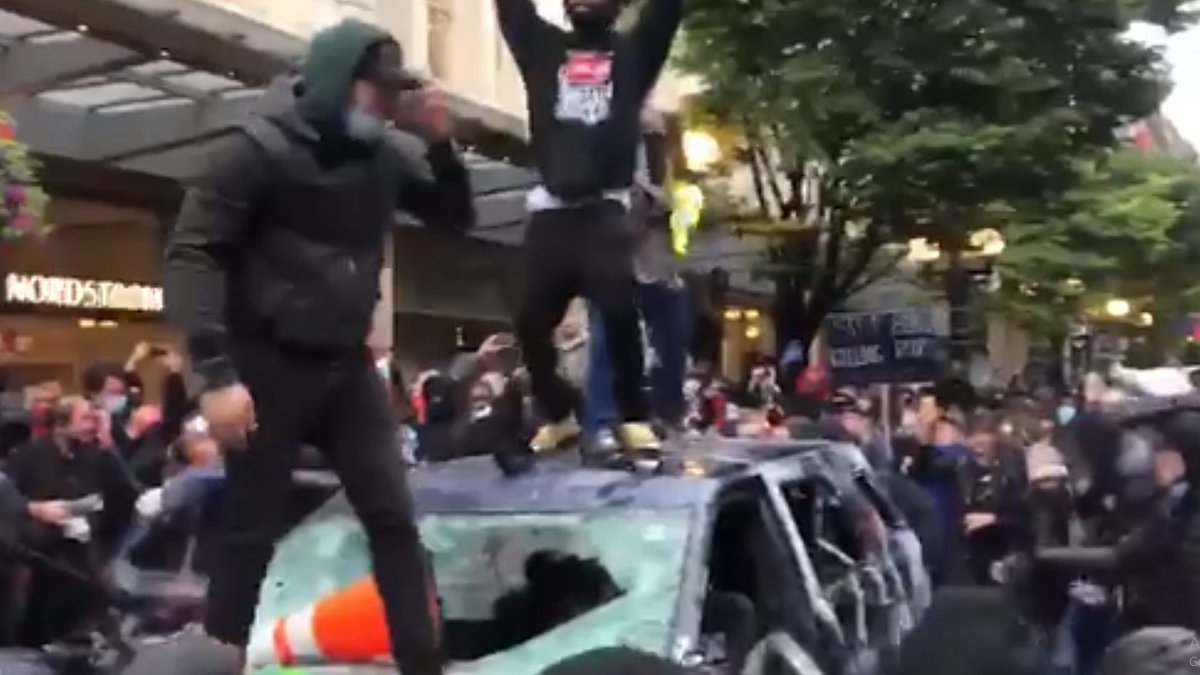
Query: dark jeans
340	407
583	251
667	314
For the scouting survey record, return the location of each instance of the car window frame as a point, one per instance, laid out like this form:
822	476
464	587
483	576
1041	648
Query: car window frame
797	575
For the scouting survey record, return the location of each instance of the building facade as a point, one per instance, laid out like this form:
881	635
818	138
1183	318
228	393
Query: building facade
122	100
456	42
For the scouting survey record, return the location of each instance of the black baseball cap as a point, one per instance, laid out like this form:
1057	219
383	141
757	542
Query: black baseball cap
383	65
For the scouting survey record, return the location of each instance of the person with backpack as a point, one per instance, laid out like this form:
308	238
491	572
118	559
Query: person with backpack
585	89
272	273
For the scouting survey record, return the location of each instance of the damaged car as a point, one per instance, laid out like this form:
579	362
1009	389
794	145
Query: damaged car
729	561
737	557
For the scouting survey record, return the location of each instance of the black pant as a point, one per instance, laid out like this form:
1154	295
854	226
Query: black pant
340	407
58	602
582	251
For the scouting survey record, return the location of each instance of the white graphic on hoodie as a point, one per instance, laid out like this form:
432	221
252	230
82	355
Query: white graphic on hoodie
585	87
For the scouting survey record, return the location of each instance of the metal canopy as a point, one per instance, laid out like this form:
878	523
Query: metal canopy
77	96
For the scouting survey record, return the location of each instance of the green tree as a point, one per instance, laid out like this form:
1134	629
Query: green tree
1130	228
1171	14
867	123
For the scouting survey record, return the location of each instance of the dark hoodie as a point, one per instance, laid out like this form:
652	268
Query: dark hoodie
280	239
585	92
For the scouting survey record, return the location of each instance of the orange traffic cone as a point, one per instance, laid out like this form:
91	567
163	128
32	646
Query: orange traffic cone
346	626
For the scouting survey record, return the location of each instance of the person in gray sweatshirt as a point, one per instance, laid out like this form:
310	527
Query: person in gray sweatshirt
662	300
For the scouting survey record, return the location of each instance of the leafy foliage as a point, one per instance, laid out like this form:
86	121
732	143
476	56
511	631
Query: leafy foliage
1129	229
24	203
926	118
1171	14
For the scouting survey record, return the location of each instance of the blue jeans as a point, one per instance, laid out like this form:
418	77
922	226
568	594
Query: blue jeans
667	314
1091	630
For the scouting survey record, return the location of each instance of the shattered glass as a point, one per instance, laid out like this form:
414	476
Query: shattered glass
478	557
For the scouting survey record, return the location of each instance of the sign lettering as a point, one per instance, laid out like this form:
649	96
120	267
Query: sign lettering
901	345
853	357
50	291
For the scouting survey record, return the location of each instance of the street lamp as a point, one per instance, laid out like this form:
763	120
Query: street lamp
1146	320
920	250
987	243
700	150
1118	308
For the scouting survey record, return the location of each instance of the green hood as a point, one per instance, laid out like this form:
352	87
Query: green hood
329	66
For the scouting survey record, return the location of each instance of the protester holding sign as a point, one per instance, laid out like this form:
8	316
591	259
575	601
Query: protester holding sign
884	347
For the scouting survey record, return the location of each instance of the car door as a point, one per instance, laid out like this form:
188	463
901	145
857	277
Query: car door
897	589
754	581
835	551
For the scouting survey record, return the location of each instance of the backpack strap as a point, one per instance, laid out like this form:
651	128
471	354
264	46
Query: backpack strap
277	148
268	137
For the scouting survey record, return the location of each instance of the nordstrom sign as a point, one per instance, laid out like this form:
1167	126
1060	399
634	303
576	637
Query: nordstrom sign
36	289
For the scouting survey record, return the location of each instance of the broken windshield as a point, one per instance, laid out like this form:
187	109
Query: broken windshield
614	575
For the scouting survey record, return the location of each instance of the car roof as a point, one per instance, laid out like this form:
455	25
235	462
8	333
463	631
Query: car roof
692	474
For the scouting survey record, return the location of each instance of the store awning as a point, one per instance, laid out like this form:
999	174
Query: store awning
111	100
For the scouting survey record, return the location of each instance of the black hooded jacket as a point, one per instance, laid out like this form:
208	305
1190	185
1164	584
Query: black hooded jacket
281	237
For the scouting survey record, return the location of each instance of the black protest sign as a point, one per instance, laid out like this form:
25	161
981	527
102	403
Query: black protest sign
884	347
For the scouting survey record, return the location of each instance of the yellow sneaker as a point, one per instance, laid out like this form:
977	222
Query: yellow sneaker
556	435
638	437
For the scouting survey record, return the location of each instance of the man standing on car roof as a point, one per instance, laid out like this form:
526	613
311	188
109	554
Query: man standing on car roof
585	90
273	274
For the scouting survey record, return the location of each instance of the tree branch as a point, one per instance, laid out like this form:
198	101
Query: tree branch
759	149
866	279
756	174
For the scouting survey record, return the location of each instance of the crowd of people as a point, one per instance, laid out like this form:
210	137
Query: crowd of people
272	276
983	477
979	476
78	462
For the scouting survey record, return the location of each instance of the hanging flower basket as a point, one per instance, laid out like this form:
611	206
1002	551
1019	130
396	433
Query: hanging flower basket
23	211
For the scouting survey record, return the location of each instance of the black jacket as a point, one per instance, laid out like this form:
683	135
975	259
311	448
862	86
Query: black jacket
41	471
281	238
1161	563
14	512
998	488
146	455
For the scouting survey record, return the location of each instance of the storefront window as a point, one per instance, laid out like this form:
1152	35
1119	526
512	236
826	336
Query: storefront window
88	292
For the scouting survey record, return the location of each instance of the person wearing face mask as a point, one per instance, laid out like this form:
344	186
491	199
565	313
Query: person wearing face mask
272	273
585	90
1159	560
67	465
1065	413
106	386
995	519
936	469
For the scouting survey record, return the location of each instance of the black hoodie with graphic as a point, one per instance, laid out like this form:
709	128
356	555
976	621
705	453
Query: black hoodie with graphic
585	90
281	237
